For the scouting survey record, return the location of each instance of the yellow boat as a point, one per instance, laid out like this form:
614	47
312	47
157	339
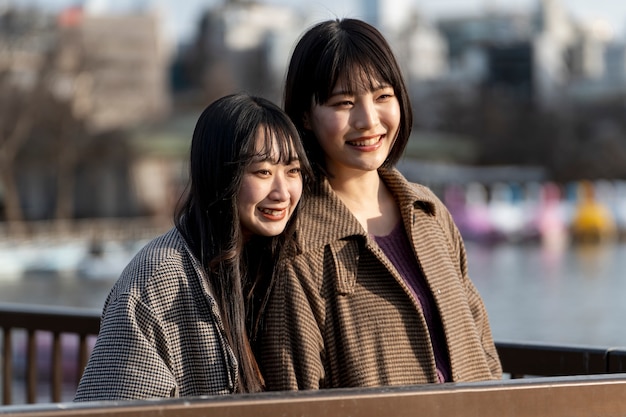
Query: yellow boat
592	220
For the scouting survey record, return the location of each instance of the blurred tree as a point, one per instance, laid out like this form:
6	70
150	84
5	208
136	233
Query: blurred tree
16	124
22	81
41	113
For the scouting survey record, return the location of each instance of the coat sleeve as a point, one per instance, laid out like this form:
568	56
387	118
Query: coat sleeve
477	306
129	359
291	348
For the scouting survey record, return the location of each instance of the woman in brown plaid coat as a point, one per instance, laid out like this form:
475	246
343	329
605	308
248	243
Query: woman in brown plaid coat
374	289
174	324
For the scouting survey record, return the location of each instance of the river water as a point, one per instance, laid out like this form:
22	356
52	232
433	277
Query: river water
575	295
540	294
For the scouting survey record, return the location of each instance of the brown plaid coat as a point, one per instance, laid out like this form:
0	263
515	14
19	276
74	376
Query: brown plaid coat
340	315
161	334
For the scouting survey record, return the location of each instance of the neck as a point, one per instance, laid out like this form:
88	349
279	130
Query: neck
358	190
369	200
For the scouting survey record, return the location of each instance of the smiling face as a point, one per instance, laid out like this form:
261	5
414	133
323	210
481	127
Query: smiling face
269	193
355	129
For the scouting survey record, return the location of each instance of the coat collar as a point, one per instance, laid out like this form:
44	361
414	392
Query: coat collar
324	218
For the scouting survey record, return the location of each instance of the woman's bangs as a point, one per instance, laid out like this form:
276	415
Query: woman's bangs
358	72
278	144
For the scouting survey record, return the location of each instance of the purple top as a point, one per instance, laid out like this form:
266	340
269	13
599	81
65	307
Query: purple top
397	247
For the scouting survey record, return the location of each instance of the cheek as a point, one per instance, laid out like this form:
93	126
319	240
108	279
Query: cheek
327	124
396	115
296	191
247	196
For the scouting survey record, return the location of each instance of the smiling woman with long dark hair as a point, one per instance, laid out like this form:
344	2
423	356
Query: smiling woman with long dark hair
180	319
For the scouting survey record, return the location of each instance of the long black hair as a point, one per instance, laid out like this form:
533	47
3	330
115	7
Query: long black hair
222	147
356	53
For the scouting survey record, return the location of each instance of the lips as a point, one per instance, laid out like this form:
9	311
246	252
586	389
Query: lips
273	214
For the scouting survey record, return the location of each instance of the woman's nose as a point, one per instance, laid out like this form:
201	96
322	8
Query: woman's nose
280	189
366	115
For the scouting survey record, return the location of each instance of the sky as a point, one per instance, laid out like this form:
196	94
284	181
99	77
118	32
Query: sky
182	14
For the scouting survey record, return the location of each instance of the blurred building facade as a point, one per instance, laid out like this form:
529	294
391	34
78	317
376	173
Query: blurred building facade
83	81
544	54
240	45
122	63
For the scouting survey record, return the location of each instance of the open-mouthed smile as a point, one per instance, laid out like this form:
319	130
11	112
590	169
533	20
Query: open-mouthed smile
366	142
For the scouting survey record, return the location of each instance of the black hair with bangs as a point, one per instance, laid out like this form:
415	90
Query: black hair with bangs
278	137
354	52
239	273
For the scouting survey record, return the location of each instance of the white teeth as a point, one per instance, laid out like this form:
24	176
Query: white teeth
367	142
271	212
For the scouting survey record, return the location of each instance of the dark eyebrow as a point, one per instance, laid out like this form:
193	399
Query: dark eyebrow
382	86
258	158
346	92
341	93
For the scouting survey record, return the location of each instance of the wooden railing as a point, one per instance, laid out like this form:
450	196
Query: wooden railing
60	336
36	332
582	396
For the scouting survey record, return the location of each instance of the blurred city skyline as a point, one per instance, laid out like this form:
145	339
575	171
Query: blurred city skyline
181	16
534	87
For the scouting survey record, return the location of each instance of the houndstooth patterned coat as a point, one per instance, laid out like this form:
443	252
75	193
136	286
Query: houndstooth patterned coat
161	334
340	315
